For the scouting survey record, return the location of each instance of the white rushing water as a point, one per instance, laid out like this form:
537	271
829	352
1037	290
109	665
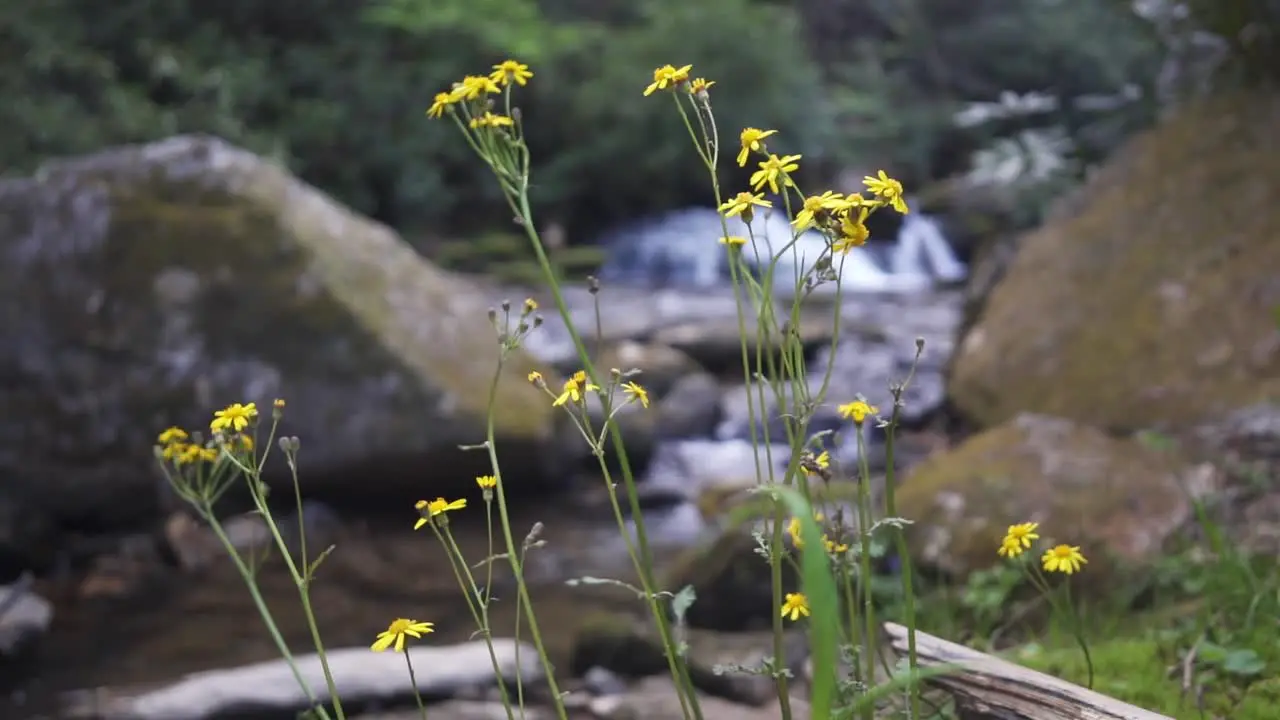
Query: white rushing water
681	248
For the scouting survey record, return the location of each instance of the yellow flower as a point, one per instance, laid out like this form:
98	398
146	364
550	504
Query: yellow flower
1010	548
1064	559
833	547
772	169
575	388
637	393
172	435
814	205
278	403
491	120
487	482
472	87
853	232
733	241
858	411
439	506
667	76
699	86
887	189
441	103
742	203
795	606
174	450
530	305
794	530
535	377
510	71
1022	534
190	453
752	140
234	417
397	631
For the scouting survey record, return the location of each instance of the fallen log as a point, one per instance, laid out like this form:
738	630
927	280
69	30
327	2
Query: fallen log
985	687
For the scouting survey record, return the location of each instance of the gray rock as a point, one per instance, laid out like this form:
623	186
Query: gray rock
599	681
691	409
361	676
24	618
149	285
878	346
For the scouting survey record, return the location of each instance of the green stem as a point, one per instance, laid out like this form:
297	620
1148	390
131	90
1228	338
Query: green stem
904	557
479	609
1078	627
304	591
265	613
413	680
779	651
864	560
513	557
521	206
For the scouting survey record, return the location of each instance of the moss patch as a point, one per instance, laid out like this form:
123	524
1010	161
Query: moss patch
1149	304
166	280
1117	499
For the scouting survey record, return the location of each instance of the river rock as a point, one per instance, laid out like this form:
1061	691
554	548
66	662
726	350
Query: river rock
1119	500
691	409
701	323
360	675
660	366
24	618
1132	307
655	698
150	285
633	648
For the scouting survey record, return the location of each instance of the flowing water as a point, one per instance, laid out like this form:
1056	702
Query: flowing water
186	622
680	249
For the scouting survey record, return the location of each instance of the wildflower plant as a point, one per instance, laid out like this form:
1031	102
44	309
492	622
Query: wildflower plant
1062	559
802	529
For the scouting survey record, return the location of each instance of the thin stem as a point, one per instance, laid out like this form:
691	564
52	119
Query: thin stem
513	557
1078	627
303	585
904	557
479	610
413	680
265	614
520	203
864	560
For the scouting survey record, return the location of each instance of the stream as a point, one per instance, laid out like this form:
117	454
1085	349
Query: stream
183	622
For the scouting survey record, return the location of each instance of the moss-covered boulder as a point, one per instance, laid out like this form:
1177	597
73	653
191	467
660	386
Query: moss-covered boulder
1151	302
149	285
1118	499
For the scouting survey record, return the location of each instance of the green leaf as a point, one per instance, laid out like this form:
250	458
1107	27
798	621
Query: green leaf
1243	662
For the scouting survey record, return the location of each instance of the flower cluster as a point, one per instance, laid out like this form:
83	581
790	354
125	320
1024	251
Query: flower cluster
840	217
833	547
229	431
1066	559
470	95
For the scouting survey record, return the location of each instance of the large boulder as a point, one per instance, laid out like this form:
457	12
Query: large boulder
1120	500
1150	302
149	285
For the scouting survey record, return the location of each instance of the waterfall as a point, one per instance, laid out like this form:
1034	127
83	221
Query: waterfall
681	248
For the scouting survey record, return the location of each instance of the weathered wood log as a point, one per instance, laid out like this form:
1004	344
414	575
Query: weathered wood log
987	688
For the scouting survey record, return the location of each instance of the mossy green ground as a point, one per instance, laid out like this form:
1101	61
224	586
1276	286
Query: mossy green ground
1223	604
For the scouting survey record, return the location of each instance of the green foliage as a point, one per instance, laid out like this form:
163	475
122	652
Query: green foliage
338	91
903	69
